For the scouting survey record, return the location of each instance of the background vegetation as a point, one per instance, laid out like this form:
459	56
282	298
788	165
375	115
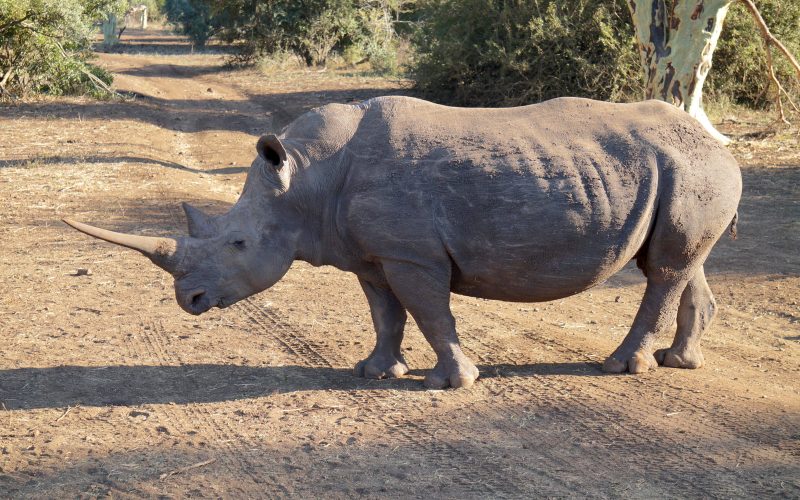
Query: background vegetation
358	30
45	46
494	52
739	72
501	53
466	52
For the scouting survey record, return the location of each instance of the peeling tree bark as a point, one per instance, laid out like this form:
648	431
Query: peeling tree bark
676	44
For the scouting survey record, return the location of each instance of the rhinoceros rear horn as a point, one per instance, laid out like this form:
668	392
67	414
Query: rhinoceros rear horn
200	225
164	252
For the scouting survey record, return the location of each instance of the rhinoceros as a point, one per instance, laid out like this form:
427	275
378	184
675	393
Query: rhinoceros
420	200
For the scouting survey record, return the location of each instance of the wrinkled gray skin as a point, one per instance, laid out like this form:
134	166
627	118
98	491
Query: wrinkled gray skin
524	204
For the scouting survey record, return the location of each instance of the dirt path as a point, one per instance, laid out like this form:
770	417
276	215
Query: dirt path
108	389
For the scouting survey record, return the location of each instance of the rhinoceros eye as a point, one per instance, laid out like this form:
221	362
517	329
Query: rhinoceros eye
239	244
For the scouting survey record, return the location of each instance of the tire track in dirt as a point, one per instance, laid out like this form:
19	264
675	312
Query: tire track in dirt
680	399
154	340
548	398
620	436
196	417
418	433
624	437
287	338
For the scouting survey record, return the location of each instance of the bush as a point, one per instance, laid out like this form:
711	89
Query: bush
495	52
308	28
193	18
45	46
312	29
376	38
739	73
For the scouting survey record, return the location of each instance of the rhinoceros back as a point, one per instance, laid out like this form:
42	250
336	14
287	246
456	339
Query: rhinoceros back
530	203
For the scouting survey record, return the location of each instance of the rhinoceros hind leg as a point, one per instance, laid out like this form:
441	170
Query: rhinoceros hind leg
389	320
425	292
656	313
695	314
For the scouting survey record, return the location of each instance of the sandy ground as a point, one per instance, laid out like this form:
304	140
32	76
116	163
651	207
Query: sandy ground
108	389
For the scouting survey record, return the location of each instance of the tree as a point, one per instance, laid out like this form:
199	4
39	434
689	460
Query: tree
45	46
676	42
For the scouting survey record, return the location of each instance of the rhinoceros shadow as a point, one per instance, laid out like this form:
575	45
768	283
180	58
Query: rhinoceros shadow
62	386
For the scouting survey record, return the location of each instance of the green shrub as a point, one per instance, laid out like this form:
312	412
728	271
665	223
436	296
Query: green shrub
193	18
45	46
495	52
739	69
504	52
376	38
313	29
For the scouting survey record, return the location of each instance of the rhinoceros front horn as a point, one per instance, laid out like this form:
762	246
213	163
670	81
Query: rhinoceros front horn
164	252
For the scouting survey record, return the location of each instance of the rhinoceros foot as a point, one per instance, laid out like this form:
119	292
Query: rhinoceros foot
638	361
455	373
680	357
380	365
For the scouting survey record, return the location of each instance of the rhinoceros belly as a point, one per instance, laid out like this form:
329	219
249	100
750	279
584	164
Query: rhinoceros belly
542	230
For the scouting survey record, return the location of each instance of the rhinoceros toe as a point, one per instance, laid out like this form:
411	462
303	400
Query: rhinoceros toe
680	357
380	366
452	374
637	362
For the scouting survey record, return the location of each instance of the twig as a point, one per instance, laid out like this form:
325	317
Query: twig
69	408
769	36
769	39
781	114
186	469
789	98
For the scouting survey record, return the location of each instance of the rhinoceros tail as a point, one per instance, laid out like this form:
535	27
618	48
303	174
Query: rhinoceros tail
733	230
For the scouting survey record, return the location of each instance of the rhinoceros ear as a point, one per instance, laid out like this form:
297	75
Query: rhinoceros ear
271	150
200	224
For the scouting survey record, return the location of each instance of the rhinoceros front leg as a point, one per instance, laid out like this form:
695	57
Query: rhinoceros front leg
389	320
425	293
656	313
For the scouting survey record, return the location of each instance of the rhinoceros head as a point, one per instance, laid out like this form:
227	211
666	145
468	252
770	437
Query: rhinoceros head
228	257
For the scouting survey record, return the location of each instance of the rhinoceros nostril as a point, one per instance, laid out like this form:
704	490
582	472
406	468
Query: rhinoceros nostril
197	296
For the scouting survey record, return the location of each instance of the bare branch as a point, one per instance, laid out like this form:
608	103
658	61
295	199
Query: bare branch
769	40
16	22
96	81
769	37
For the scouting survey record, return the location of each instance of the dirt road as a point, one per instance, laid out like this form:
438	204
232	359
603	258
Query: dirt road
108	389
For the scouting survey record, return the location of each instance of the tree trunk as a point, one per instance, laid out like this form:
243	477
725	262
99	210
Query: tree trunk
676	44
110	31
